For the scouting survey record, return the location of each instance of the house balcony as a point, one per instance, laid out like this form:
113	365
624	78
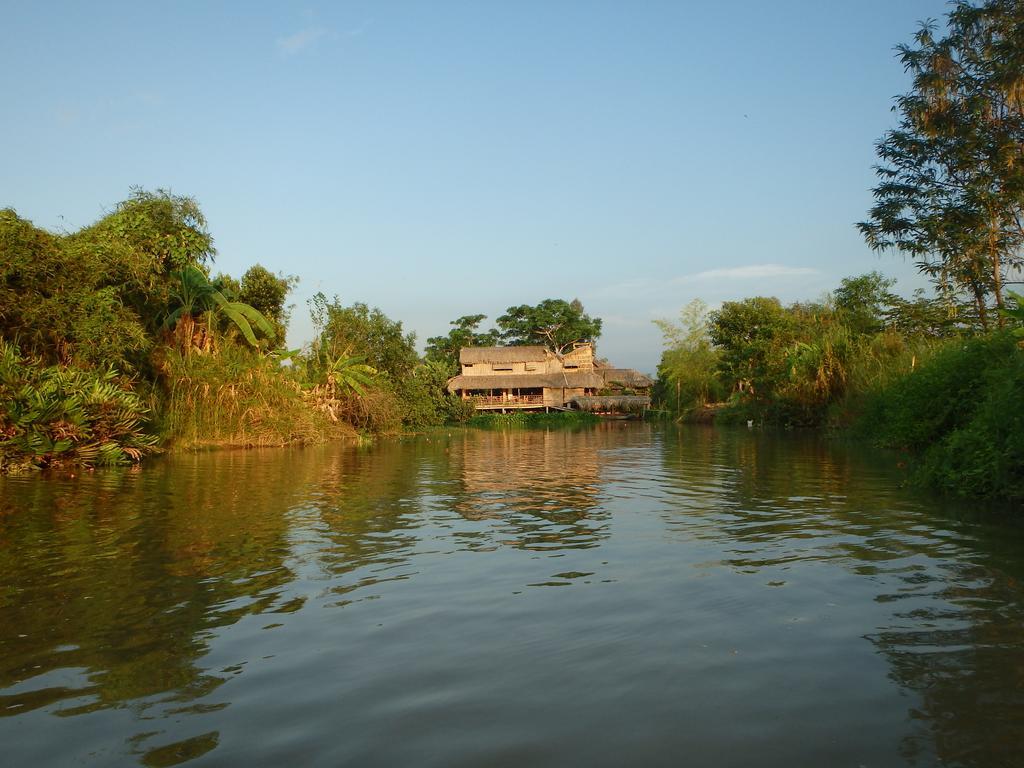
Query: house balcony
497	402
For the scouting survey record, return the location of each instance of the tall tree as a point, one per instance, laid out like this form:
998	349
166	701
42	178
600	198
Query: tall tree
99	294
951	181
555	323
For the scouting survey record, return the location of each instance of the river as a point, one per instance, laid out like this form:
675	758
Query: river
619	595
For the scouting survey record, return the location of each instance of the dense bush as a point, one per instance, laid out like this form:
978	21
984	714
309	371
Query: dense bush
960	414
50	415
427	402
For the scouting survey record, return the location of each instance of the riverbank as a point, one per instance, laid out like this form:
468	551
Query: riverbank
956	415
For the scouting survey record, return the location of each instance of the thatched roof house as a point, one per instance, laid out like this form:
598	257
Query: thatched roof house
474	355
627	378
533	377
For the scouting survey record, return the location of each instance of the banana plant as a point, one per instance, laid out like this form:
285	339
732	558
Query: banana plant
195	294
350	373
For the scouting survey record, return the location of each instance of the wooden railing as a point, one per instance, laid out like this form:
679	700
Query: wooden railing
513	401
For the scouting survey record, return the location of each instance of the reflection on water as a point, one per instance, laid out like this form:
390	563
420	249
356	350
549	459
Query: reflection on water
622	594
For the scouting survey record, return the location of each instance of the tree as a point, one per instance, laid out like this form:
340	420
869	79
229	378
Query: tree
1016	313
753	336
426	401
688	371
861	301
358	330
465	333
554	323
952	177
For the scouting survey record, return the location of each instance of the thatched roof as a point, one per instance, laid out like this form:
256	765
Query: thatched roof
503	355
617	403
627	377
569	380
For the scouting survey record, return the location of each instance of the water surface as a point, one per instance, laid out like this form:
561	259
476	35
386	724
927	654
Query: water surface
622	595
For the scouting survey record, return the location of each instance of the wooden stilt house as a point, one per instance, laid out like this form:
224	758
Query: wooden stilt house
534	378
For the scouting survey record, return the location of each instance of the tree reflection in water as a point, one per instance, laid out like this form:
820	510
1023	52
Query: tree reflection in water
164	614
949	581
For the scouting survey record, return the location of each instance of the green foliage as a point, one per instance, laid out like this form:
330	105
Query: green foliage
55	415
58	302
427	402
465	333
137	246
753	336
861	302
951	179
1015	314
167	231
688	373
266	292
959	415
554	323
193	293
938	397
799	365
359	330
349	375
96	297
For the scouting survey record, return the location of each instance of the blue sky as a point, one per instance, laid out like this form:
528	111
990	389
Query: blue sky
443	159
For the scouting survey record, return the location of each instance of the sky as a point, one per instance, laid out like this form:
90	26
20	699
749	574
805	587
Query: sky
451	158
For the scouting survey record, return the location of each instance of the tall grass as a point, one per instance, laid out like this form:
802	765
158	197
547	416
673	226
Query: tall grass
238	398
876	363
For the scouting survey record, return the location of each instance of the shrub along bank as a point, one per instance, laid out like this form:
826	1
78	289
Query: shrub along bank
960	417
905	374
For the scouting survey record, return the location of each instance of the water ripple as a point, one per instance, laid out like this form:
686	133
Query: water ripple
624	594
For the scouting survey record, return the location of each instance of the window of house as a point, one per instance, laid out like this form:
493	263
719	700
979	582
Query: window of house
502	367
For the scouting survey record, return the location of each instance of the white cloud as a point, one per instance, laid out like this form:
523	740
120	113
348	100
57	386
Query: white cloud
749	272
300	41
